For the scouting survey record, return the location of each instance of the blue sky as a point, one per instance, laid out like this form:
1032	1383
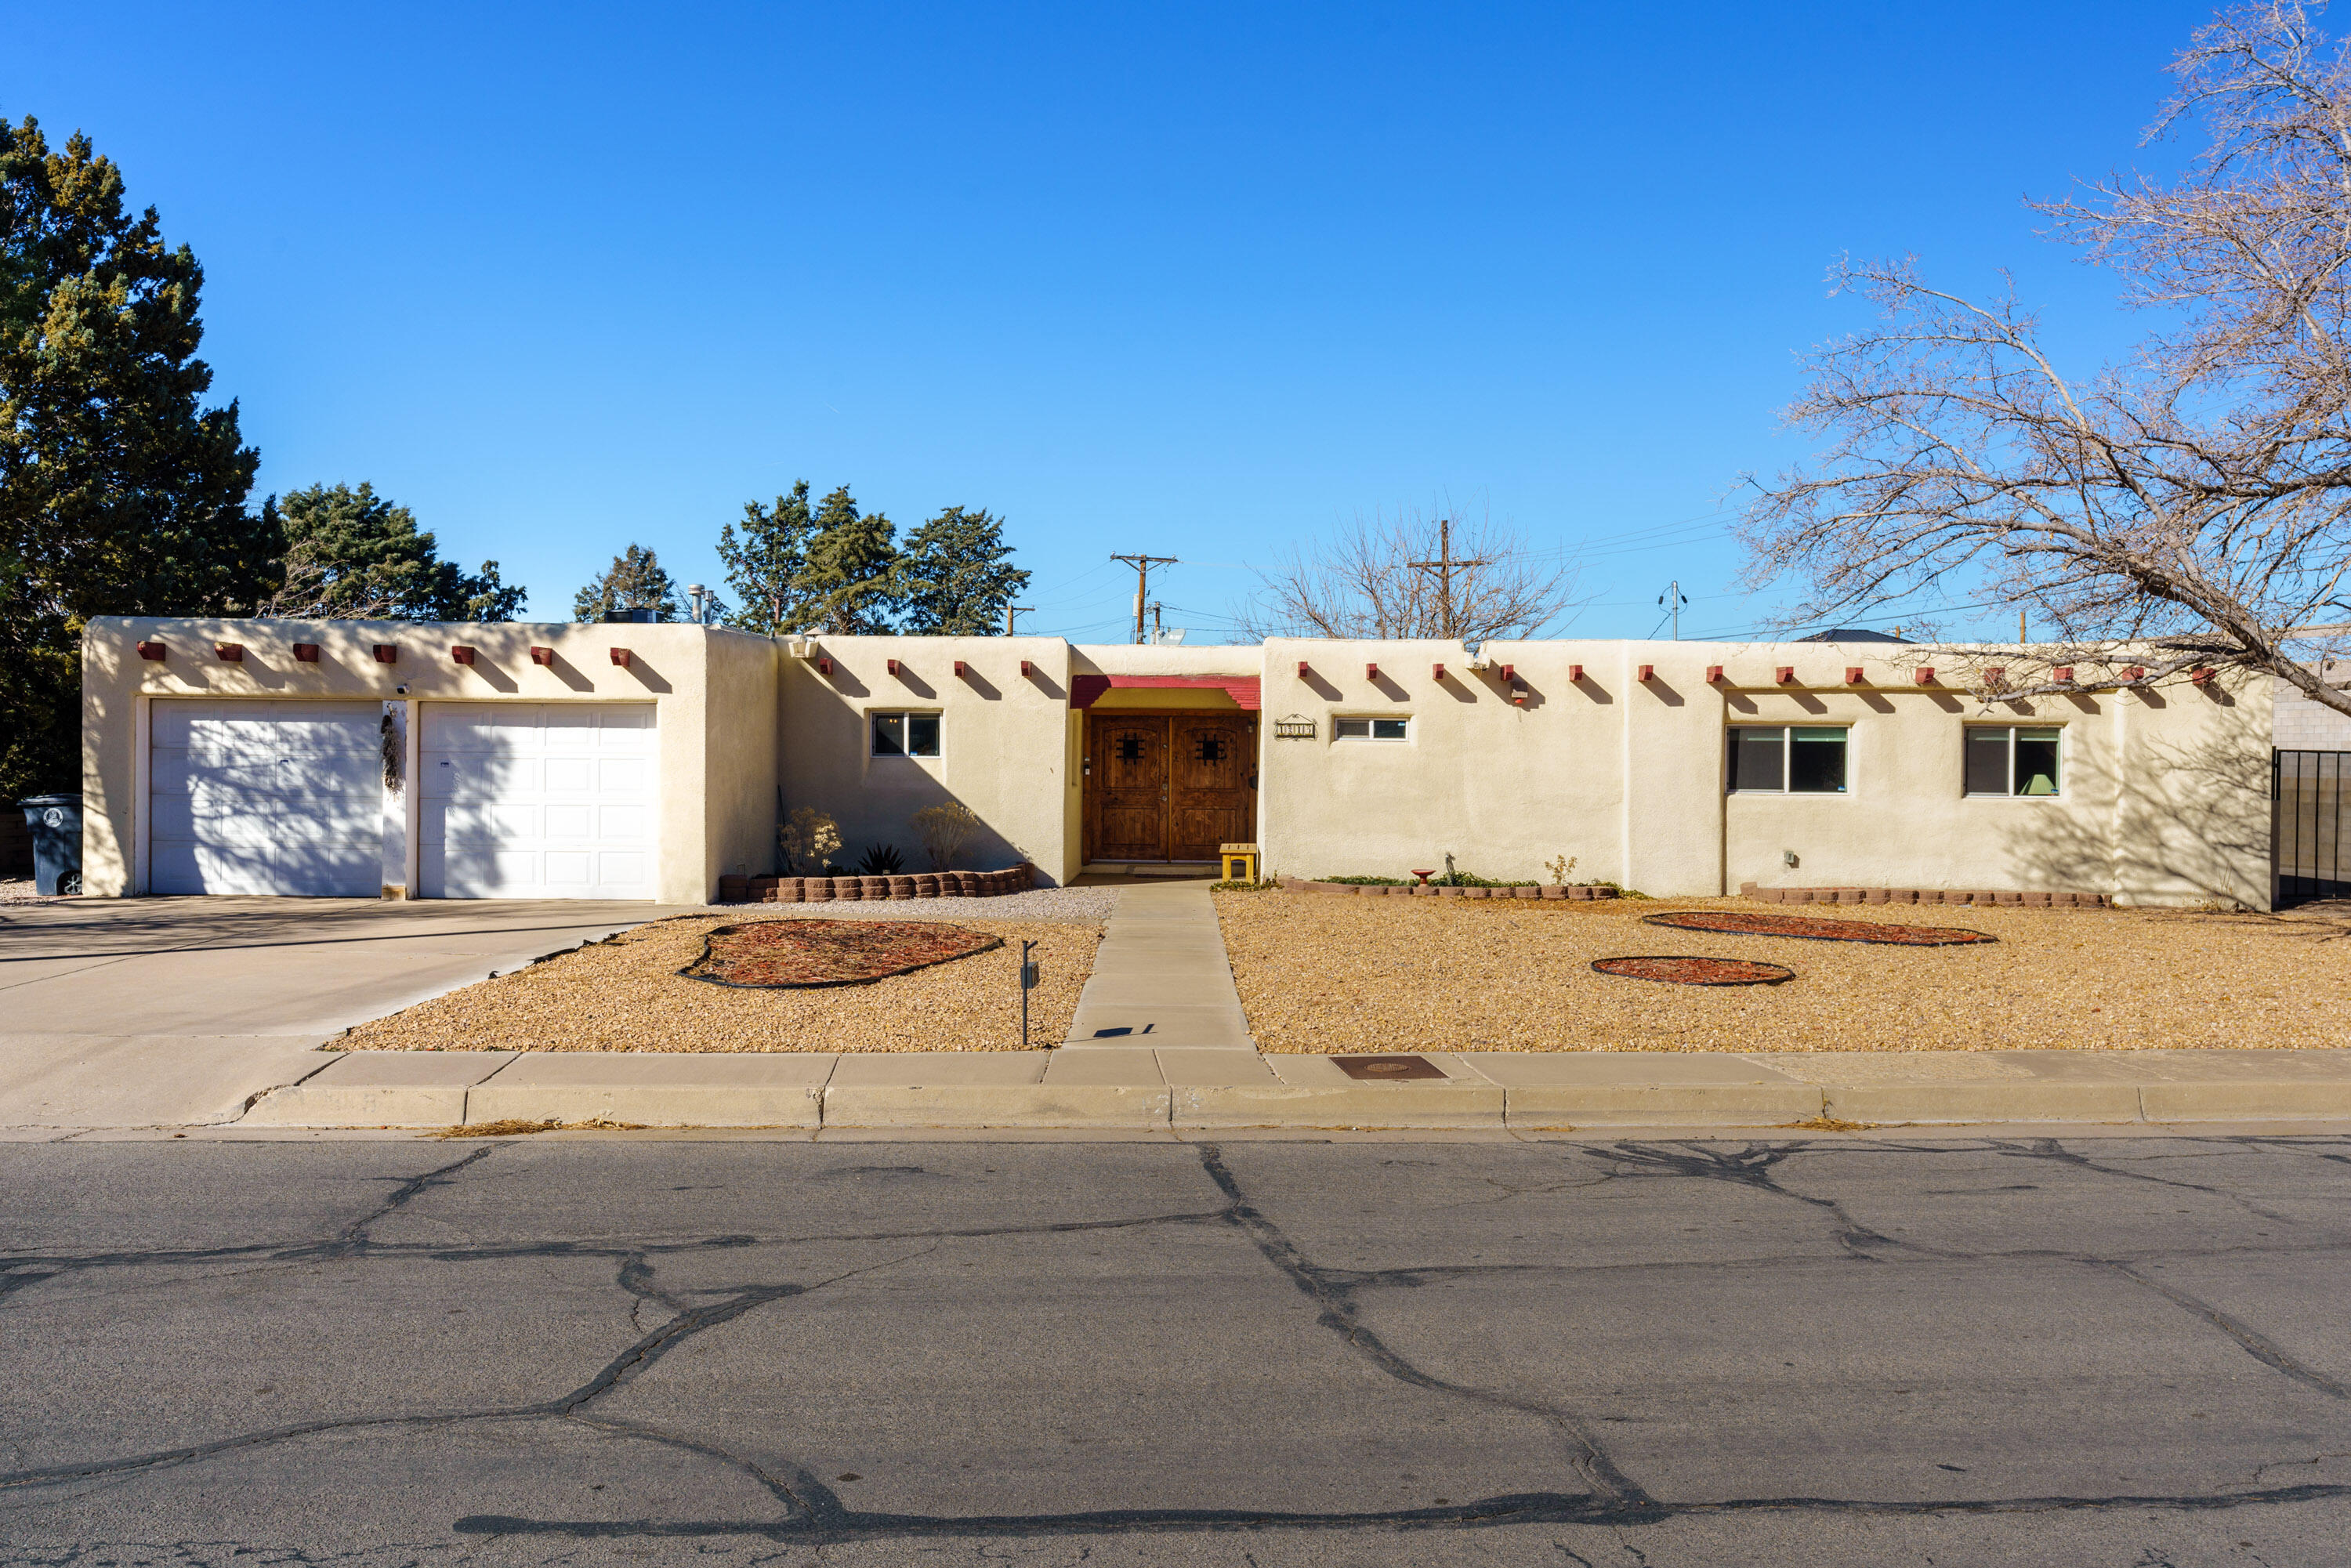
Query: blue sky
1200	280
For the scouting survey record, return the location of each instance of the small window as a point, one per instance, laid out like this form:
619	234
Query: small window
1791	760
1371	728
905	735
2011	759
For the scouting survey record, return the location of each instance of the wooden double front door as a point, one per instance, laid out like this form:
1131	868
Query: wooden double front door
1169	786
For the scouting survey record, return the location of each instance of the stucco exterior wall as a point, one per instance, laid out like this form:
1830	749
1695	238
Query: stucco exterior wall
743	746
1004	747
2164	799
670	666
2164	794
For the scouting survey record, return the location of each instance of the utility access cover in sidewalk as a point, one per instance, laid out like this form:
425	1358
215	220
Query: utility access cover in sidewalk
1382	1069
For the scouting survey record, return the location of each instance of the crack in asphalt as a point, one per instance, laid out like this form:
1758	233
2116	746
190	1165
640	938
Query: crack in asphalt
2050	1149
1338	1312
1752	1167
813	1515
2257	1346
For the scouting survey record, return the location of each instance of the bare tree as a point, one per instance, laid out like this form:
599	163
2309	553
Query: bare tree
2193	501
1412	576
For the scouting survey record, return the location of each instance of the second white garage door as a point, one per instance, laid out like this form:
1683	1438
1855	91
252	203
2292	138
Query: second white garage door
535	800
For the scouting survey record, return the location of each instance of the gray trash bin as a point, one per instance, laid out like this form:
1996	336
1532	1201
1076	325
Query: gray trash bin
55	824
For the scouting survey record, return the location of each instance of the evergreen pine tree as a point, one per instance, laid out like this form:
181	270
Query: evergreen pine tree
764	561
119	492
849	582
634	580
353	555
955	576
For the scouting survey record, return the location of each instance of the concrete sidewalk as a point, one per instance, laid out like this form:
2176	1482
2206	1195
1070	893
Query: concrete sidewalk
1175	1088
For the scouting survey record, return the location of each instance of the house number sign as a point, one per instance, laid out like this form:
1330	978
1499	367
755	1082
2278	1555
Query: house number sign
1295	728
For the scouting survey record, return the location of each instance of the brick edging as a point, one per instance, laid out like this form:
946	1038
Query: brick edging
852	889
2025	900
1430	890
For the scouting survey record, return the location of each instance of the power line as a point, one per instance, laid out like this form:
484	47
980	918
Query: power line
1143	565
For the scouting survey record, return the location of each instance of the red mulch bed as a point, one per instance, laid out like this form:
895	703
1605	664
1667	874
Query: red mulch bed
1744	923
1684	971
784	954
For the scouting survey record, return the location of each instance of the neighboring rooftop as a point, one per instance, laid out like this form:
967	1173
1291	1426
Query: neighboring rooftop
1850	634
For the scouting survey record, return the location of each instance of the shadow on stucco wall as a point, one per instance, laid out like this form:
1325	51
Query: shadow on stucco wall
2190	825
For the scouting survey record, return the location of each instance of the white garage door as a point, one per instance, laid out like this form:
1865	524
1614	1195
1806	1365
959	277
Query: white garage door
266	797
535	800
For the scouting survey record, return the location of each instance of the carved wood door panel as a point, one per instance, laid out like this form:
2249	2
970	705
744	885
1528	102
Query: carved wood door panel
1212	792
1129	793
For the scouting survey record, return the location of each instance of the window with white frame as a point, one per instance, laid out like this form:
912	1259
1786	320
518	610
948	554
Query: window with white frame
2012	759
905	735
1788	759
1371	728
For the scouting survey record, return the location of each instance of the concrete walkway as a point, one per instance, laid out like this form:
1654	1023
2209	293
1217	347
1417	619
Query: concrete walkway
1160	978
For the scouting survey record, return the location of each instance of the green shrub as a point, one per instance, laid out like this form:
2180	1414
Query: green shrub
1366	881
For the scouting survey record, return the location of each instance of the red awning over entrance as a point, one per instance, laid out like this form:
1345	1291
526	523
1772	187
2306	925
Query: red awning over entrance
1087	690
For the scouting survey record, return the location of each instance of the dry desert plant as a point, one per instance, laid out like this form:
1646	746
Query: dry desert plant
943	830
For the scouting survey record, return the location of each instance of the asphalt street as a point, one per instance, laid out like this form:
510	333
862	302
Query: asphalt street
1963	1350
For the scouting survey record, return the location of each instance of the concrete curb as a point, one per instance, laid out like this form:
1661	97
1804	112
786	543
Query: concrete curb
976	1090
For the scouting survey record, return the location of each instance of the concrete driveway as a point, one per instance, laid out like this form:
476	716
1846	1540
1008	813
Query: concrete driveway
172	1011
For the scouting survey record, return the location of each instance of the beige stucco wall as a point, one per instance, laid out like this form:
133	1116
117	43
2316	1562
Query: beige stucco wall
1003	748
2165	794
742	722
671	666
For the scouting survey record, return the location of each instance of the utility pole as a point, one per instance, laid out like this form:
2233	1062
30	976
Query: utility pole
1143	565
1443	568
1012	610
1157	633
1672	595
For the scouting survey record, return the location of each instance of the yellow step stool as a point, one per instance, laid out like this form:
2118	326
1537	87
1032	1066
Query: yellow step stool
1240	862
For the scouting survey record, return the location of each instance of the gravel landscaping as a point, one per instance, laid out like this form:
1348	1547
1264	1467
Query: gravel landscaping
626	994
1324	974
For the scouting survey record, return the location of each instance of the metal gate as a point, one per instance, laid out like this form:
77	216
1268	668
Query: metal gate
2307	790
